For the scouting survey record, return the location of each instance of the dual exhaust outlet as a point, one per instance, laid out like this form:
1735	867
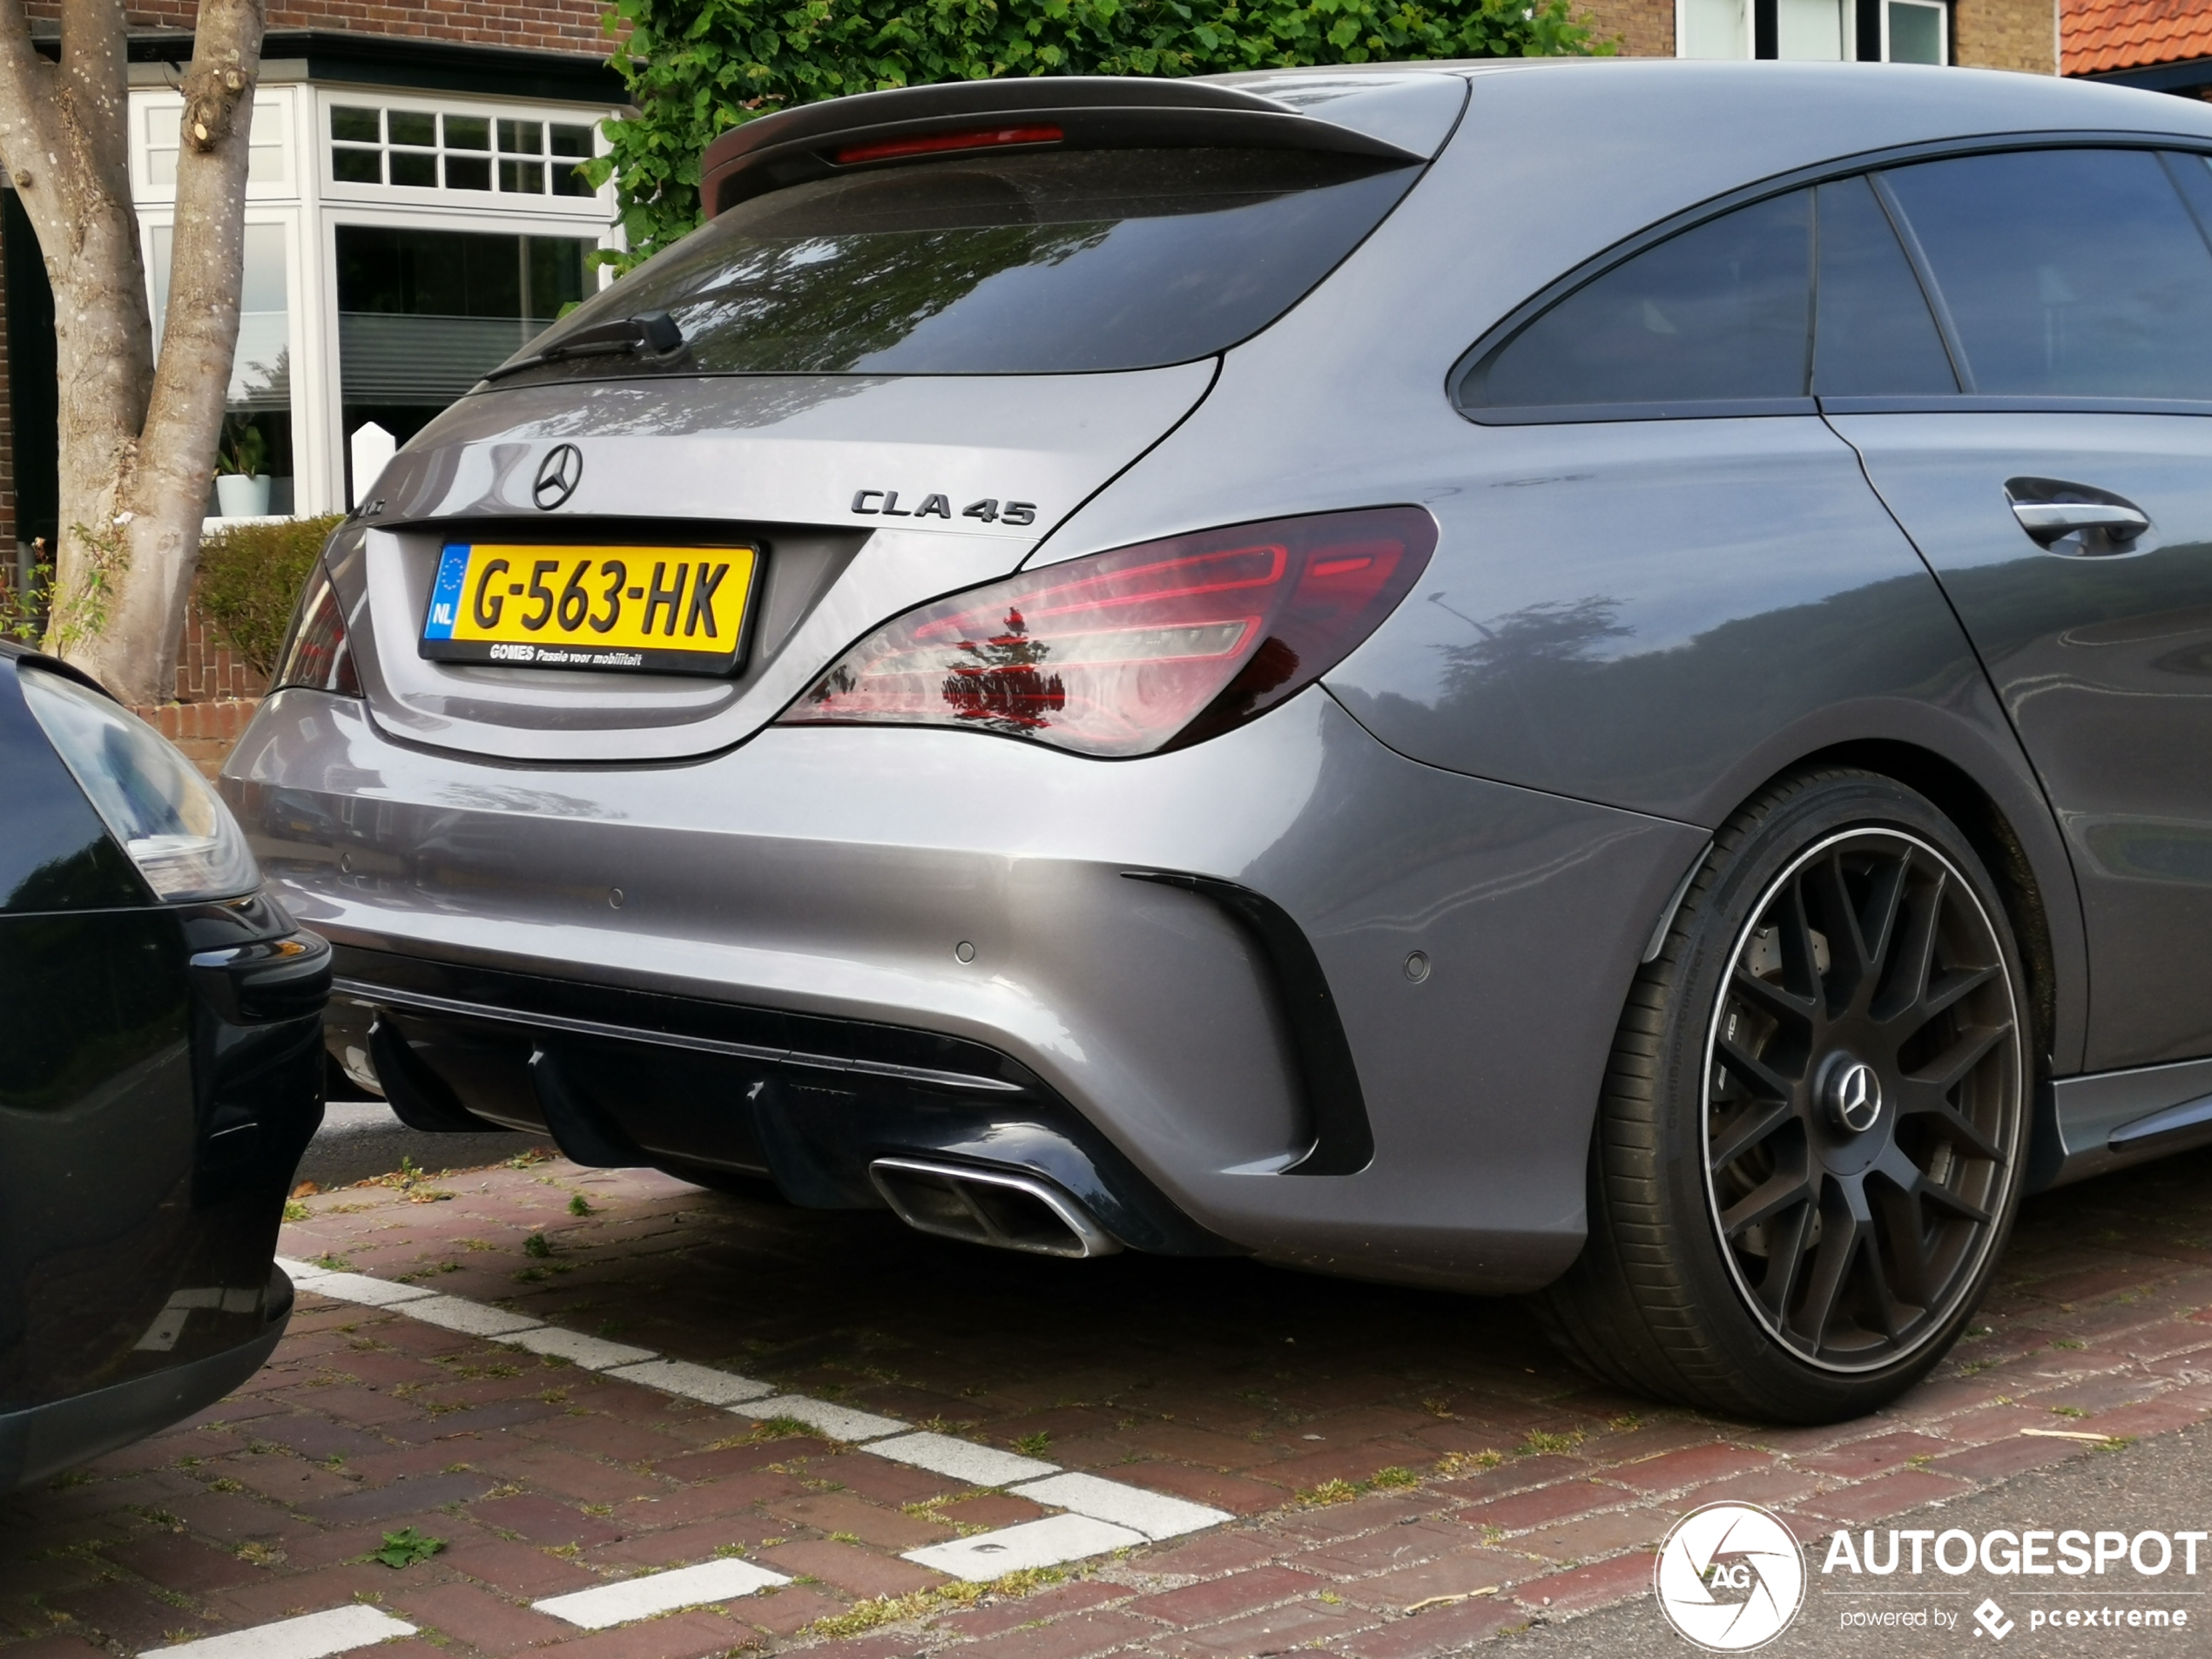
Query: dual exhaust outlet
998	1207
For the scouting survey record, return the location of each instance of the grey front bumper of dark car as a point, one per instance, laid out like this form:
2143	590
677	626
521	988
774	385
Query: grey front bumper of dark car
974	892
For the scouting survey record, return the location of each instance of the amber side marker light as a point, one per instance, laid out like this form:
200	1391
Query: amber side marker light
933	144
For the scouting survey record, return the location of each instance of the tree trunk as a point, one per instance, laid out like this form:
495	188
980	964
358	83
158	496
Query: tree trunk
136	439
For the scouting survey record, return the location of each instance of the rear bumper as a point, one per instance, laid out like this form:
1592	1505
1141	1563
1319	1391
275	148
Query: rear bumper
958	888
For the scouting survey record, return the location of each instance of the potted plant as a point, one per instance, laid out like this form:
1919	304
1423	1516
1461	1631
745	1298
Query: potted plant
241	488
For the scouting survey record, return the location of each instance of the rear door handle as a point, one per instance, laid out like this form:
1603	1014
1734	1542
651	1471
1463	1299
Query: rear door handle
2050	511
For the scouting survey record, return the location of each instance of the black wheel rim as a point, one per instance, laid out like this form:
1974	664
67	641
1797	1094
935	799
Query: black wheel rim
1863	1100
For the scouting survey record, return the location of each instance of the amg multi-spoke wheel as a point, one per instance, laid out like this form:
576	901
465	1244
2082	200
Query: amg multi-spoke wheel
1813	1132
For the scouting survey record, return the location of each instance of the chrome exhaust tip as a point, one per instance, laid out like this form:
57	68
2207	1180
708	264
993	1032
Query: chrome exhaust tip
997	1207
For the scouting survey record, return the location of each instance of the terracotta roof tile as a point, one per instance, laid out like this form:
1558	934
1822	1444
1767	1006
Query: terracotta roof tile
2100	35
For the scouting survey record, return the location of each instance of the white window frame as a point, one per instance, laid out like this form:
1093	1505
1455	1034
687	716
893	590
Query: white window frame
596	209
1943	27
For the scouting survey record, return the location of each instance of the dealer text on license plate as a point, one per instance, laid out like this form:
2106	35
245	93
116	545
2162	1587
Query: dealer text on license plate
680	610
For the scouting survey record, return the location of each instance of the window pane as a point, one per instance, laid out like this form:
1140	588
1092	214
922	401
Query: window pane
1040	263
421	171
1876	337
1720	312
357	166
1916	33
468	132
522	137
358	124
2067	272
570	141
1813	31
468	172
412	126
1717	29
526	177
568	180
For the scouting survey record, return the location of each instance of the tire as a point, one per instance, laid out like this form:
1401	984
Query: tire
1814	1128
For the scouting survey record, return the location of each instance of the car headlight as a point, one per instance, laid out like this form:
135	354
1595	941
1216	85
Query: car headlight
174	827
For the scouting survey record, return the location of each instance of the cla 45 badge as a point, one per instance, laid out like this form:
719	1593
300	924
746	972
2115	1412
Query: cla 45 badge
989	509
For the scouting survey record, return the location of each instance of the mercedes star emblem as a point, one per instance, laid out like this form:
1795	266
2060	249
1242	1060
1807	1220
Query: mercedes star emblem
1855	1094
558	476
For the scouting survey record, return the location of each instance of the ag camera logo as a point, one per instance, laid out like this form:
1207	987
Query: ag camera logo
1730	1577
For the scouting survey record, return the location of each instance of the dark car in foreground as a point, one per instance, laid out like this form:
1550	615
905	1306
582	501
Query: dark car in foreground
1583	677
161	1073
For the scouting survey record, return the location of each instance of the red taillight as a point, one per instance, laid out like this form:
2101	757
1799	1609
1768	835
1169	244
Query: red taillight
937	143
1142	649
317	655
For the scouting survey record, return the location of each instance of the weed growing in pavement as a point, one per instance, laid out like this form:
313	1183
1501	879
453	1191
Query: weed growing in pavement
890	1609
1460	1462
845	1538
2067	1411
256	1555
2114	1443
1437	1407
1626	1423
536	1247
1035	1445
2069	1342
331	1262
1383	1480
1329	1492
74	1477
1540	1443
226	1484
525	1159
579	1205
294	1210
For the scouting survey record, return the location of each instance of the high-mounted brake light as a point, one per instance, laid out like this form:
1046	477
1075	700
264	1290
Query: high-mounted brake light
1145	648
316	653
936	143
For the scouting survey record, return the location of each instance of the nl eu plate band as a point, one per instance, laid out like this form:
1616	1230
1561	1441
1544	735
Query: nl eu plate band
624	608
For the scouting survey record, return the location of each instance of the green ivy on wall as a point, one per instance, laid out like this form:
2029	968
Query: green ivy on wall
696	67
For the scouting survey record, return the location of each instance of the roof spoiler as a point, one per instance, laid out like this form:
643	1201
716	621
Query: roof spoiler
1075	111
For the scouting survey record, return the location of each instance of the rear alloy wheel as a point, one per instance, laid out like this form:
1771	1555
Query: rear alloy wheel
1814	1129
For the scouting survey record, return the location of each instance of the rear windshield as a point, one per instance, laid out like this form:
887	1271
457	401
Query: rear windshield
1024	264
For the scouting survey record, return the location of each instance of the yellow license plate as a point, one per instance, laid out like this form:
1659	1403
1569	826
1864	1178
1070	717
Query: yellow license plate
681	609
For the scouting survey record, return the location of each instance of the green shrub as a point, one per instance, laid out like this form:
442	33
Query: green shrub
250	577
696	67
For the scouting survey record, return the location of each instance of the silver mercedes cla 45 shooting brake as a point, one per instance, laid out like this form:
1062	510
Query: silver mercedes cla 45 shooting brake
1591	677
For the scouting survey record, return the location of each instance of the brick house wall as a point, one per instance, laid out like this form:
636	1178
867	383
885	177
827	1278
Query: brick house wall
2008	34
543	25
1645	28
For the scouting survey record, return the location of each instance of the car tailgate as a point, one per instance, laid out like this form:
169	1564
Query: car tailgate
825	472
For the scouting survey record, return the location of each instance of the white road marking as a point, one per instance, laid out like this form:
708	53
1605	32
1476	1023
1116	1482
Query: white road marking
369	1292
981	1465
1153	1513
840	1422
651	1593
472	1318
593	1353
1101	1514
681	1378
316	1636
987	1555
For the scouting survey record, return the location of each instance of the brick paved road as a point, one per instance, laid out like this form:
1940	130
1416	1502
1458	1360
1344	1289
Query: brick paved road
1383	1448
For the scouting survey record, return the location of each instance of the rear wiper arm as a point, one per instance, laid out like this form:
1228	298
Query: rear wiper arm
654	330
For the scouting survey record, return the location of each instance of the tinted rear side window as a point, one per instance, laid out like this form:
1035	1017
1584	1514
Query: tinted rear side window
1719	313
1038	263
2067	273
